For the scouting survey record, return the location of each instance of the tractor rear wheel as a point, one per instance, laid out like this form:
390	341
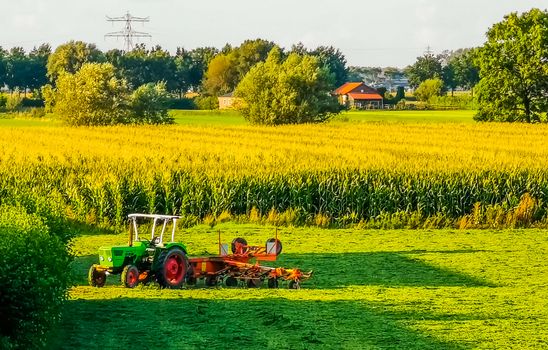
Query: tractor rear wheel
172	269
96	278
130	276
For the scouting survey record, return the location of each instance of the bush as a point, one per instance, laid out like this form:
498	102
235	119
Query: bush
3	101
428	89
182	103
13	101
206	102
91	96
32	102
149	105
34	278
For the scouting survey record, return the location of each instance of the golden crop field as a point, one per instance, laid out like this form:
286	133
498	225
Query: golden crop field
348	172
242	150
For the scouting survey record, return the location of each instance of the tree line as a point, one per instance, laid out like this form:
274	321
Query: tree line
509	72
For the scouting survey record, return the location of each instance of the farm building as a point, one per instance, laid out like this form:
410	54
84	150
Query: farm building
227	101
358	95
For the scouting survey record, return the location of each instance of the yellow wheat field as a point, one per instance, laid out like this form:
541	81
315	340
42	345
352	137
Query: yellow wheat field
253	150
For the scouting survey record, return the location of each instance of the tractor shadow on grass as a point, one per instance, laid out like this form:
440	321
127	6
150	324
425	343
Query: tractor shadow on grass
271	323
377	268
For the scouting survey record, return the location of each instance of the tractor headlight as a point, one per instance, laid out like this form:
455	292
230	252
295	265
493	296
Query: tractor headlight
101	258
109	259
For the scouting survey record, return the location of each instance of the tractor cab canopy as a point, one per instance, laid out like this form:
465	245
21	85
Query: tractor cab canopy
163	220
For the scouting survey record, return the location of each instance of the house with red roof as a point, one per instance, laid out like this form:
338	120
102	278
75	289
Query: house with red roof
358	95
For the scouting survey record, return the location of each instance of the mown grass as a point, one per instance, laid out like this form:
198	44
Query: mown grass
371	290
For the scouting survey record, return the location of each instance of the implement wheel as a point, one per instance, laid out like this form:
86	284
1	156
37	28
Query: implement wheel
130	276
211	281
231	281
96	278
238	246
276	243
272	283
294	285
254	283
173	268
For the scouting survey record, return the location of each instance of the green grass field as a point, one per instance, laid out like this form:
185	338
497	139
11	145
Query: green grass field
388	289
227	118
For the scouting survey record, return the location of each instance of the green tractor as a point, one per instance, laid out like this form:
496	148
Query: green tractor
143	260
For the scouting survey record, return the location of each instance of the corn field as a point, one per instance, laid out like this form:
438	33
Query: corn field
346	173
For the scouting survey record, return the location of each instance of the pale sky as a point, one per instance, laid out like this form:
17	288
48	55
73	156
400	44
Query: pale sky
369	33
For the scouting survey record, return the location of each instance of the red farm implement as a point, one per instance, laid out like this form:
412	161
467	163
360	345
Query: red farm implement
243	266
167	262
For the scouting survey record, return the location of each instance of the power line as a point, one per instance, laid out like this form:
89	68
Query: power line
128	33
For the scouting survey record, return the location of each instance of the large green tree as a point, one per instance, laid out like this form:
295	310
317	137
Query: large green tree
70	57
426	67
514	69
287	91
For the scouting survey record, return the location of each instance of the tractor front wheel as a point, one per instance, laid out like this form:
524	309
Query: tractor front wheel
130	276
173	268
96	278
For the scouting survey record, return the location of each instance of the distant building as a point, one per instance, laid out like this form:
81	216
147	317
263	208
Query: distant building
358	95
228	101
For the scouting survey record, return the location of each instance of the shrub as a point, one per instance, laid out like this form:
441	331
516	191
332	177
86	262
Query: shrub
3	101
91	96
13	101
32	102
182	103
149	105
428	89
206	102
33	279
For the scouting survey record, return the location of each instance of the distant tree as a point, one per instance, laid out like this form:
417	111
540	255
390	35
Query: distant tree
466	69
448	77
91	96
18	69
251	52
290	91
426	67
3	66
428	89
200	59
400	95
460	70
514	69
38	60
70	57
227	68
330	58
392	72
222	75
141	66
